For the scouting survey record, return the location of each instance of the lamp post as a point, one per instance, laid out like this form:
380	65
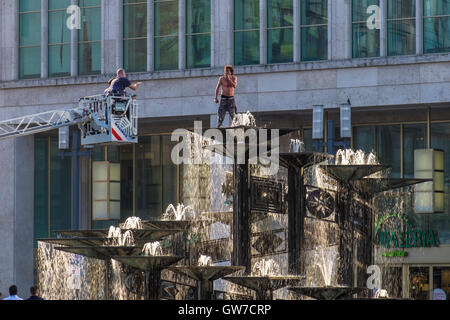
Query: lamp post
429	196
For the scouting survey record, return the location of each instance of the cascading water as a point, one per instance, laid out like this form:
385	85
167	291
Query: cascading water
244	119
132	223
266	267
204	261
296	145
152	249
181	212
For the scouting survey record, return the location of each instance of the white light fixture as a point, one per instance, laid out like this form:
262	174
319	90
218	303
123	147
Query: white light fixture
346	120
63	134
429	196
317	132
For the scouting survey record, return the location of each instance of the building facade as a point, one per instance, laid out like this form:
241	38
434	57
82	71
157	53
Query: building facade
390	58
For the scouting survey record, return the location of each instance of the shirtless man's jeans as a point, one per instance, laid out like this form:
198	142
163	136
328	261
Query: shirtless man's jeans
227	104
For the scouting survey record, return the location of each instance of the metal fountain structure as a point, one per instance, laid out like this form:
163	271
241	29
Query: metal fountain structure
253	198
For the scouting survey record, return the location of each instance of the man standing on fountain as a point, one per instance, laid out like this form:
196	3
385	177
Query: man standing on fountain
228	82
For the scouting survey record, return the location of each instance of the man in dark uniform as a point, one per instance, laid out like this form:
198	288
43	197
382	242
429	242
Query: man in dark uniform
228	82
120	83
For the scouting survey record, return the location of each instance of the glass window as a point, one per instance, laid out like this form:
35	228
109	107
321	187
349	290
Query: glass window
166	35
29	39
246	32
198	33
280	35
53	188
384	140
60	189
314	30
440	137
364	138
135	35
414	137
436	26
58	39
41	199
388	147
126	182
89	37
365	32
401	27
148	178
441	280
419	283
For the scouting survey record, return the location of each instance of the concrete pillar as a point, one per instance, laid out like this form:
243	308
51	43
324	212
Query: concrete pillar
229	32
44	38
181	35
383	28
419	27
17	214
9	54
263	31
339	30
213	33
348	29
297	32
405	281
330	10
74	47
150	33
118	25
221	33
111	41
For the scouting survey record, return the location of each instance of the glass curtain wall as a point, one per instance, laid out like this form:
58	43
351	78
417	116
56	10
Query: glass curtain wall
166	35
148	179
29	39
384	141
198	33
365	31
280	31
52	185
58	39
314	30
440	139
436	26
89	37
246	32
401	27
135	35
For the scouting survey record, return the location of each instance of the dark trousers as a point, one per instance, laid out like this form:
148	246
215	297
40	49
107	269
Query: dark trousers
227	104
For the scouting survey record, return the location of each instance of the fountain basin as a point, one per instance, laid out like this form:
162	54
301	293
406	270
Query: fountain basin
328	293
162	225
102	252
372	186
205	275
148	234
264	286
347	173
303	159
147	263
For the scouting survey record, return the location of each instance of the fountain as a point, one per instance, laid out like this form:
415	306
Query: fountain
205	273
356	177
265	279
328	236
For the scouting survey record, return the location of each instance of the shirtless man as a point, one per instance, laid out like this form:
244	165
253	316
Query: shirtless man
228	82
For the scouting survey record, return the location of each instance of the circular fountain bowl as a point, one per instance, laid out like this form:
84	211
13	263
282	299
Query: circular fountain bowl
271	283
328	293
148	262
209	273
